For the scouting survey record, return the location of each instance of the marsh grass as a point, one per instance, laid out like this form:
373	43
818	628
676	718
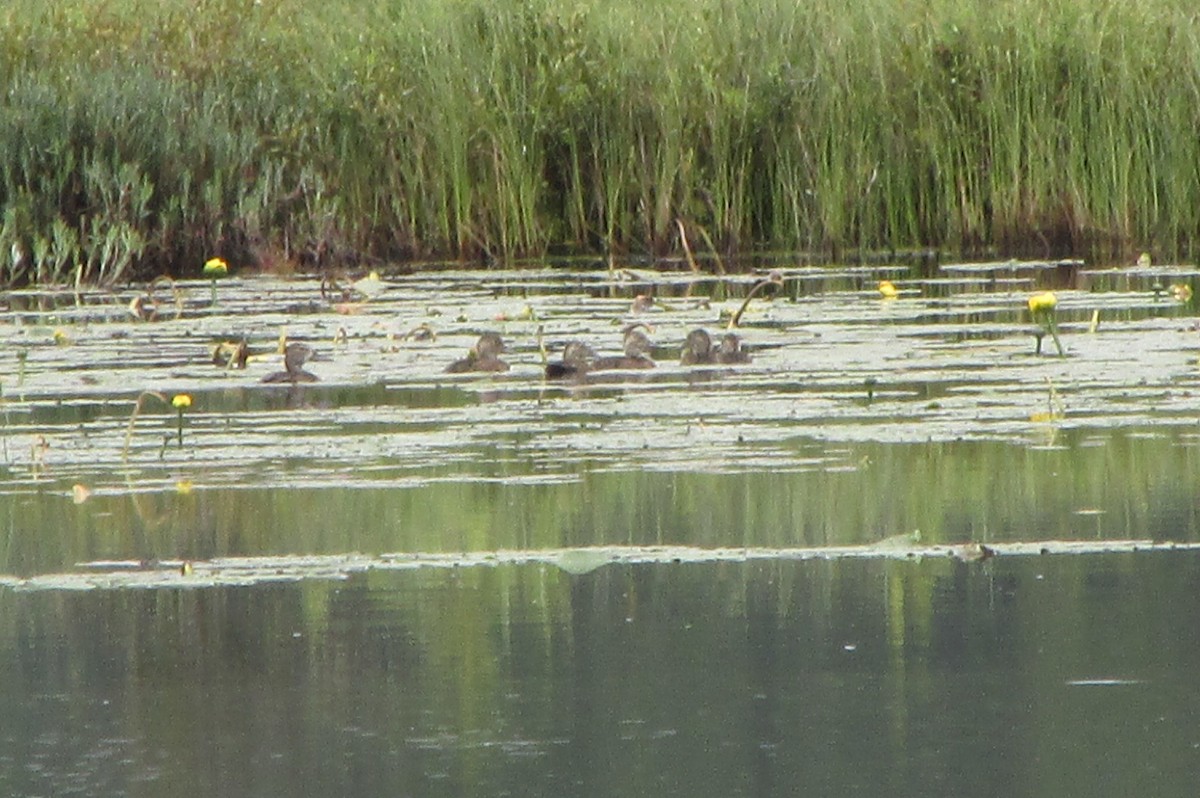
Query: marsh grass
145	136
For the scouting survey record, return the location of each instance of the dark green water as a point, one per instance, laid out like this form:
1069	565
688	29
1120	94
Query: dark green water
865	678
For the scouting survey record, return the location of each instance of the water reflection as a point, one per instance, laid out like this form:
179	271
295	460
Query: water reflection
1077	485
731	679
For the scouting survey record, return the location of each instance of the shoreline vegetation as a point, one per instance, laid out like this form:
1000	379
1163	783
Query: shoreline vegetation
143	137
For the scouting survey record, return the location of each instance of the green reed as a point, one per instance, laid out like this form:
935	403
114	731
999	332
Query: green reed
145	136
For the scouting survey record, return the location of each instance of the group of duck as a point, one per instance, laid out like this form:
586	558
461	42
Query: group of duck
578	358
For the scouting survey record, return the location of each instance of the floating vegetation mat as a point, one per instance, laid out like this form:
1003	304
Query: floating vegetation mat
240	571
944	357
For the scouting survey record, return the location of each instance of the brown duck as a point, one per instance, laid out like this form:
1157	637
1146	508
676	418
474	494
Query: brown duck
484	356
576	361
637	352
698	349
295	355
730	350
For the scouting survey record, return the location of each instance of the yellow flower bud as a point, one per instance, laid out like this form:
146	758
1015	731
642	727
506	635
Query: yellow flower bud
1043	302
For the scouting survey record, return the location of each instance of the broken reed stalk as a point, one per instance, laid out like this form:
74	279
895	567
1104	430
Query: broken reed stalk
541	343
687	250
716	255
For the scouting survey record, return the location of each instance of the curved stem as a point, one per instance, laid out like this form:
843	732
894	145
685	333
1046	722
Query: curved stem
773	279
137	409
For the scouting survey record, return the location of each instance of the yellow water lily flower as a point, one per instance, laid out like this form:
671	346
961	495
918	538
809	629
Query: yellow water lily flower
888	290
1044	302
216	267
1041	307
181	401
1181	292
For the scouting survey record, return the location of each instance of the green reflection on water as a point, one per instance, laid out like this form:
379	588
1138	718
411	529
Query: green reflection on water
1113	485
931	678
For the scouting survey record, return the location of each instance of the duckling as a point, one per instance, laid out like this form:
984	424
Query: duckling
295	355
576	361
697	349
637	352
730	350
484	356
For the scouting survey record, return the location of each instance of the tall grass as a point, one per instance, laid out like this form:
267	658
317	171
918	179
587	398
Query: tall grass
143	136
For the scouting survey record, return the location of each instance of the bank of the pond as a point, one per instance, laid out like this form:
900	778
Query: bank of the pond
143	136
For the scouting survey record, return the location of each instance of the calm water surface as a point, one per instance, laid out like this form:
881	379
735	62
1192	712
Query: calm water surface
859	420
1067	676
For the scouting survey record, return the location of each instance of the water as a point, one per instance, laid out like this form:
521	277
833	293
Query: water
882	674
1069	676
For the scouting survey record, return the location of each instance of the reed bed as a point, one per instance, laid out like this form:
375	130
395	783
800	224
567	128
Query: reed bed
140	137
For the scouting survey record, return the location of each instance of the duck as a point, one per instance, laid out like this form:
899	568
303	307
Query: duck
576	361
698	349
484	356
295	355
637	352
730	350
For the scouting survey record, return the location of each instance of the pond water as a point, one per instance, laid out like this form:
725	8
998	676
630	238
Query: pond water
681	581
